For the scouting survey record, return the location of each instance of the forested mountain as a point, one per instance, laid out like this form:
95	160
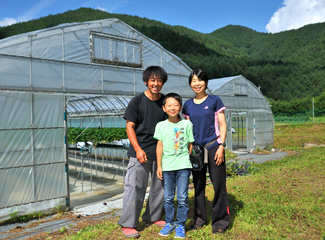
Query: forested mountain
285	65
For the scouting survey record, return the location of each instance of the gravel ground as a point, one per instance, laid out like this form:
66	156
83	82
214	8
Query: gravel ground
259	158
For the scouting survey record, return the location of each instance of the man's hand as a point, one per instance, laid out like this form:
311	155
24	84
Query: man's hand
141	156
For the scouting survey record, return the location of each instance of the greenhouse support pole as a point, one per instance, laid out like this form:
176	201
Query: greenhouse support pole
254	132
242	130
91	168
31	100
75	160
96	160
63	64
134	91
82	170
33	172
66	152
313	111
238	136
102	163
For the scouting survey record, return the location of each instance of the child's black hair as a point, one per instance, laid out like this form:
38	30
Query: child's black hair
173	95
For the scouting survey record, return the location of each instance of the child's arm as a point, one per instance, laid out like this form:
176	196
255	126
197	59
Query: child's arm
190	147
159	152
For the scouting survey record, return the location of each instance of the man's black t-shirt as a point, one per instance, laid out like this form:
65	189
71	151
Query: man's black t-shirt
145	114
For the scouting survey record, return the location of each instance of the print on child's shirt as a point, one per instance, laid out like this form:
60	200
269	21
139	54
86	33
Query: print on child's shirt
178	140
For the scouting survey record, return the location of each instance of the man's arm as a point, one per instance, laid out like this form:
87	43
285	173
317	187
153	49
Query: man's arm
141	155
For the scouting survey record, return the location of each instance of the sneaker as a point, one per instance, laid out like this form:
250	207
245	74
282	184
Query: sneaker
130	232
216	231
180	231
159	223
196	227
167	230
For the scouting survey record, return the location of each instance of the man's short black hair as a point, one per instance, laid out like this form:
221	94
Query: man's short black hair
156	71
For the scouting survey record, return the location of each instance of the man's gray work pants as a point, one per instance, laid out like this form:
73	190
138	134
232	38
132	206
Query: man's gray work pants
136	182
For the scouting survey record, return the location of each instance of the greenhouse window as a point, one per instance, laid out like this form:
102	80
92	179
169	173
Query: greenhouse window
115	50
241	90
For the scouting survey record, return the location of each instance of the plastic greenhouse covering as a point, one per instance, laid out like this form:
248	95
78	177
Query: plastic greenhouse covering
249	116
84	75
94	105
63	71
97	111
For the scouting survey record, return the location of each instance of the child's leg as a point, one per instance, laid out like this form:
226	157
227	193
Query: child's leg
182	180
169	195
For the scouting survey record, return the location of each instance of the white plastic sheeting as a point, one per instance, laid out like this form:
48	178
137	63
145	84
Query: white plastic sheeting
248	113
61	59
39	72
32	151
97	105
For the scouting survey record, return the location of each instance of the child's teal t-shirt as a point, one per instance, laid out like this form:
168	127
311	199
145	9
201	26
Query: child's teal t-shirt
175	138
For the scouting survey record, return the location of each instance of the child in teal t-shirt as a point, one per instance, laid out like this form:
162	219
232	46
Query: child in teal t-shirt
175	142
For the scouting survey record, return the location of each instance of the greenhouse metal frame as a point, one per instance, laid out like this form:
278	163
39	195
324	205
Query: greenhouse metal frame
250	122
84	75
41	72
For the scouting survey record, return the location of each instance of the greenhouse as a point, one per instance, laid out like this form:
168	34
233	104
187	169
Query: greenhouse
45	76
248	114
83	75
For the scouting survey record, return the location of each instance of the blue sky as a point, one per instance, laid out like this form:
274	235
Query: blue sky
204	16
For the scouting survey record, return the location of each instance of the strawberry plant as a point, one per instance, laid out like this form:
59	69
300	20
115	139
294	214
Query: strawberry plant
95	135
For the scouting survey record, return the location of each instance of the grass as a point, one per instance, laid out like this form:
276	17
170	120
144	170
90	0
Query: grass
298	119
318	119
282	200
294	136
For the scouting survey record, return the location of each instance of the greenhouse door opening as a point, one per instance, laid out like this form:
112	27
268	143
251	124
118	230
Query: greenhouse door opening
239	130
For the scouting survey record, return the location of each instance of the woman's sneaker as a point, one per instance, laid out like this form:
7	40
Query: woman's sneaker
166	230
180	231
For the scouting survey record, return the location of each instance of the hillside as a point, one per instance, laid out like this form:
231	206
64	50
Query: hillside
291	63
285	65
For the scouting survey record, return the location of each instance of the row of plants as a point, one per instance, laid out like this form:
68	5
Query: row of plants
96	135
283	118
105	135
299	106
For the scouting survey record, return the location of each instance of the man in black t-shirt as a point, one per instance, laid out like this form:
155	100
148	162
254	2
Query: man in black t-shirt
142	114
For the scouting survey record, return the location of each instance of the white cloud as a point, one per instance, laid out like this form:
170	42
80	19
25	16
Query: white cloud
295	14
102	9
33	12
7	22
107	6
